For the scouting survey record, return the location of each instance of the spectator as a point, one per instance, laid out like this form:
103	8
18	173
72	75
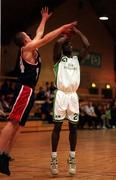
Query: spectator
108	116
4	103
82	115
99	112
47	110
5	88
52	89
113	114
90	115
2	113
41	94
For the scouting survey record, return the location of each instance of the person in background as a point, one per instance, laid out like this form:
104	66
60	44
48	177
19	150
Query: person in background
2	113
46	110
41	94
113	114
91	116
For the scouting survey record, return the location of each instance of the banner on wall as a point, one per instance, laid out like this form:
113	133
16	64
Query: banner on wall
92	59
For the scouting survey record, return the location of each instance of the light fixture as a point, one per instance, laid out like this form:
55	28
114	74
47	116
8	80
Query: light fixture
103	18
108	86
93	85
93	88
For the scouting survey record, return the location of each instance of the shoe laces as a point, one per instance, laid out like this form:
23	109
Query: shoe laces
72	162
54	162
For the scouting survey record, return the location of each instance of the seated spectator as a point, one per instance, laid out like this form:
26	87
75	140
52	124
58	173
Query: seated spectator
90	115
5	104
99	112
5	88
41	94
38	113
108	116
11	88
47	86
52	89
113	114
2	113
47	90
46	110
82	115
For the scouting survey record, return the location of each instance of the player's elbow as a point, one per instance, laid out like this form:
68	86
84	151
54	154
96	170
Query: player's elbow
87	44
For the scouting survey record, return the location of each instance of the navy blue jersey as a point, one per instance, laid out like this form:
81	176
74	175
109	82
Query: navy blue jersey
29	73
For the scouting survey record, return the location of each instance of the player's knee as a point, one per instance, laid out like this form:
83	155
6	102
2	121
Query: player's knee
72	128
57	127
14	123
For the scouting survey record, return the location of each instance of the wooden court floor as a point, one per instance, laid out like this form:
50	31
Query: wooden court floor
96	156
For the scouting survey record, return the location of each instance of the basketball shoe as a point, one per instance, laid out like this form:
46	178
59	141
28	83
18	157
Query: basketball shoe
4	164
72	165
54	166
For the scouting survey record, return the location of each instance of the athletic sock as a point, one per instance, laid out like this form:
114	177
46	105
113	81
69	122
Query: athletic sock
72	154
54	154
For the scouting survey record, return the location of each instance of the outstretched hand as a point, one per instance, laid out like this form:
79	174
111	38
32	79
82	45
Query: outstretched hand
45	13
74	23
68	28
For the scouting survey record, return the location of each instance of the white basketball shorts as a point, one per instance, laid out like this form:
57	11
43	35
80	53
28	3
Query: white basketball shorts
66	105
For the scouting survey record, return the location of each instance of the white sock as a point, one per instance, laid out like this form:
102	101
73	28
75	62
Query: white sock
54	154
72	154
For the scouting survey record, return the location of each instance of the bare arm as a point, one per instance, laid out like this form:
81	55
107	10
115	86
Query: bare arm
57	51
45	17
37	43
85	42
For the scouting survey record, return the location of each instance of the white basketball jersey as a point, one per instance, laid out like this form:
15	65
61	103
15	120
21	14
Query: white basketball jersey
67	74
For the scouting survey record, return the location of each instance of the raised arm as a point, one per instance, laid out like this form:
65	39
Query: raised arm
45	16
57	51
37	43
84	49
